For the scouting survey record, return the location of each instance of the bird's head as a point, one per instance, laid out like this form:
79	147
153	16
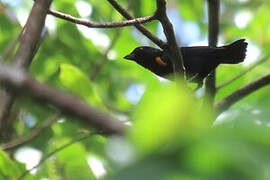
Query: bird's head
146	56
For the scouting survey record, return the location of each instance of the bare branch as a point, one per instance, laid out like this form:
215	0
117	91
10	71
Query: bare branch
213	19
239	94
140	27
173	48
93	24
229	81
18	81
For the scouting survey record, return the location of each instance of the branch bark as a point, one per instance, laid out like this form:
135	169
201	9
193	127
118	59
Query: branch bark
19	82
32	33
173	48
239	94
213	20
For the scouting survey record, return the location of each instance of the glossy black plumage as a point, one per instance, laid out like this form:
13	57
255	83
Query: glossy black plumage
199	61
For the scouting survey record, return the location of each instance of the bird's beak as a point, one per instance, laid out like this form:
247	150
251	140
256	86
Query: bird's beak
130	57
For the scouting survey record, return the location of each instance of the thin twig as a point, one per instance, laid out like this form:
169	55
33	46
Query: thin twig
213	19
11	46
237	95
251	67
34	133
100	62
7	100
75	140
92	24
140	27
8	130
19	82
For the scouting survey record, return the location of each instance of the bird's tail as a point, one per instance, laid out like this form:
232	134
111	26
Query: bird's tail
233	53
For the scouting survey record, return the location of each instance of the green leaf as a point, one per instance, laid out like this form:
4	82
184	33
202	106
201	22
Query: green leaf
166	116
191	9
8	168
76	81
73	161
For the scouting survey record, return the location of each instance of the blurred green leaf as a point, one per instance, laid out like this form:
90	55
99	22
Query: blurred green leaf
191	9
80	84
73	160
8	168
163	118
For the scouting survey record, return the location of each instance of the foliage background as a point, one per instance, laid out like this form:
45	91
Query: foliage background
172	136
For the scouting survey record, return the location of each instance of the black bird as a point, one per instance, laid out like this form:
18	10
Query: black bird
199	61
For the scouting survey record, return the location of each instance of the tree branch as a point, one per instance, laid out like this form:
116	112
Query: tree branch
25	53
239	94
213	19
140	27
173	48
18	81
92	24
229	81
31	34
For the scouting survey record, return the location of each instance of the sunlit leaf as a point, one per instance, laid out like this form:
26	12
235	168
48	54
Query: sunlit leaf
167	116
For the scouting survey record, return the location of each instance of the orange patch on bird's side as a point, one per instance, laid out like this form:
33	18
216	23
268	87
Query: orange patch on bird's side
160	62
